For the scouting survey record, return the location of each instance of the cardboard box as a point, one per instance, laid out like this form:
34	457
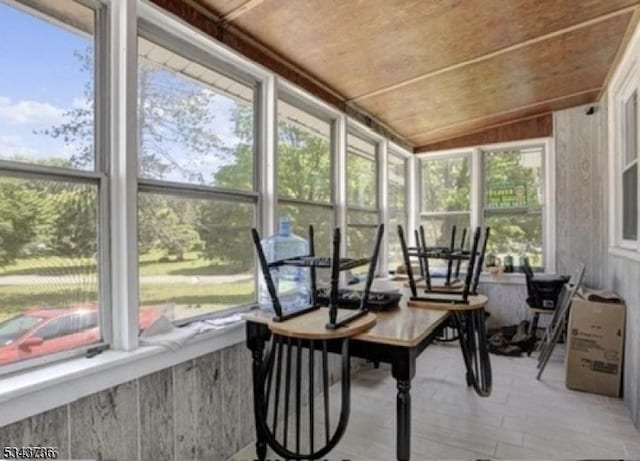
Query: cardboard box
595	347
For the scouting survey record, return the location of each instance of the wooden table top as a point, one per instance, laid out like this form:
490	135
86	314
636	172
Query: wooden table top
474	302
404	326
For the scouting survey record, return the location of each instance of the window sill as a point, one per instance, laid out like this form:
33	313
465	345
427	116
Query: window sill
512	278
626	253
28	393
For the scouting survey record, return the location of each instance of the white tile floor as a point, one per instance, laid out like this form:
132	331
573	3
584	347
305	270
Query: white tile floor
522	419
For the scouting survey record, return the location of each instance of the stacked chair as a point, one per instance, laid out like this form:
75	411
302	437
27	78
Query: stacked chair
468	314
284	381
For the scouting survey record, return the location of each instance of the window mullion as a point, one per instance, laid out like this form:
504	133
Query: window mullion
340	183
266	163
124	247
383	190
477	188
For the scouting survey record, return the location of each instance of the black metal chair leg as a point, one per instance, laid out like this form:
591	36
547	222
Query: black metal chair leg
473	343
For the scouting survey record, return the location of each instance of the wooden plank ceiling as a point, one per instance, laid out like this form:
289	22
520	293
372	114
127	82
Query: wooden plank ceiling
434	70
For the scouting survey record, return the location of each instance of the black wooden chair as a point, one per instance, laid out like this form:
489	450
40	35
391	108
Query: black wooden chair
467	309
292	430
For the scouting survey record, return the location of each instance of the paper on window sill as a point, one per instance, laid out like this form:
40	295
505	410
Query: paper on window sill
163	333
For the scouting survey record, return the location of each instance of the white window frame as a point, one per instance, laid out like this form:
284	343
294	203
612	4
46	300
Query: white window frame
477	190
471	156
547	175
625	79
98	177
34	390
319	109
626	90
398	152
357	129
162	37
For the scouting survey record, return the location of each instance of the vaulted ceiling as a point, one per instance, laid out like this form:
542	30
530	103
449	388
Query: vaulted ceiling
433	70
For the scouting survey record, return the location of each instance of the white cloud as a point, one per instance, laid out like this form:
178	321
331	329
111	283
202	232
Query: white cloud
11	145
29	112
81	103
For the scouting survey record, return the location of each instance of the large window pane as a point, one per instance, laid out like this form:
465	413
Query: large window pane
49	281
513	197
630	203
195	255
630	129
47	85
195	125
437	230
361	234
302	216
513	179
362	176
397	197
304	155
516	236
446	185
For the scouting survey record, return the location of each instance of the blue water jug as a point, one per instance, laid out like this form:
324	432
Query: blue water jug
292	283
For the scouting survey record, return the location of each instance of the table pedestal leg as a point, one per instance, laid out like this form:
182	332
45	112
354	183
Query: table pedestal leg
403	415
403	369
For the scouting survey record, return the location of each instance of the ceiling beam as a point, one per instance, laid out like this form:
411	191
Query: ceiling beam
242	9
540	126
498	52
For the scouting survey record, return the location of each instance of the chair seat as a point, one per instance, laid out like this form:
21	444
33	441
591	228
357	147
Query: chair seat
313	325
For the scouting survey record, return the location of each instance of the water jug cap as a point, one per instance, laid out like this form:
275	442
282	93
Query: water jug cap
285	226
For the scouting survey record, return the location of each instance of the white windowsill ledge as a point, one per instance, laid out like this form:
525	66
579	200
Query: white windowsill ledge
511	278
626	253
31	392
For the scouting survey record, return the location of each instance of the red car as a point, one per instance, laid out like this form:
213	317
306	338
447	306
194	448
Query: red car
47	331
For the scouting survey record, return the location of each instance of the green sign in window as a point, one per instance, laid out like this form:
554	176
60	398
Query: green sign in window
507	196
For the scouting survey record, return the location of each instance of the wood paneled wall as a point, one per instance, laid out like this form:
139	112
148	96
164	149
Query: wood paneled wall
534	127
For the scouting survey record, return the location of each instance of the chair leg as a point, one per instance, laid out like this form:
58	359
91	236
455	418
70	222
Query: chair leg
534	325
473	343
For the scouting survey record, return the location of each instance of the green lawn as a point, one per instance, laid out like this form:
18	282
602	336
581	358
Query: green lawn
188	297
152	263
210	297
222	295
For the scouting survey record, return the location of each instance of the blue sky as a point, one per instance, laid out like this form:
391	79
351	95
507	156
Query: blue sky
41	79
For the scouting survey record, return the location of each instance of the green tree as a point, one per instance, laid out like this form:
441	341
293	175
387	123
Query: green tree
513	232
446	187
224	227
19	218
168	224
71	220
174	121
303	160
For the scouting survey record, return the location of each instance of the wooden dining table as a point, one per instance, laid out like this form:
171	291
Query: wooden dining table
398	337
